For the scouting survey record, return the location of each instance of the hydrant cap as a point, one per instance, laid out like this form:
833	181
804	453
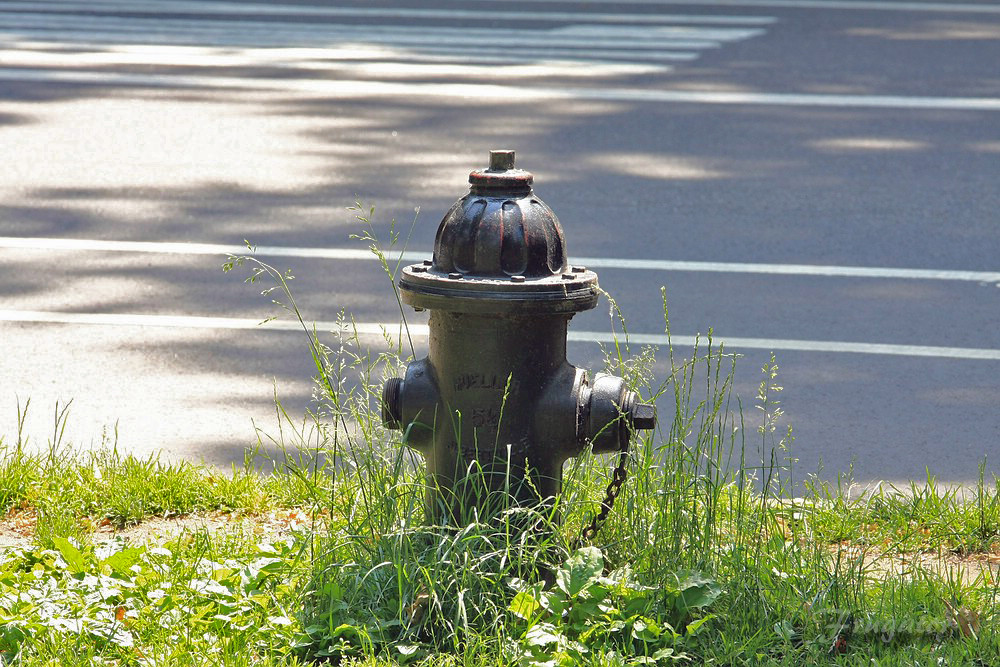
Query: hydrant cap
500	243
500	229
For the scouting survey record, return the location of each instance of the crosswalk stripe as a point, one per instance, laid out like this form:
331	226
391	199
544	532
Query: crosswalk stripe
338	62
642	31
45	54
530	54
684	37
589	36
277	12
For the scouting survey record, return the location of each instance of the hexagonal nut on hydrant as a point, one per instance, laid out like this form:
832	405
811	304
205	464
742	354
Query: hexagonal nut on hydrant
495	398
643	417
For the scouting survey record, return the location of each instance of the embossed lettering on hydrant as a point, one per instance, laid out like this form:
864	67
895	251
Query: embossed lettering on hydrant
467	381
484	417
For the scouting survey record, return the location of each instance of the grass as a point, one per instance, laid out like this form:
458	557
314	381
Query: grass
713	553
105	486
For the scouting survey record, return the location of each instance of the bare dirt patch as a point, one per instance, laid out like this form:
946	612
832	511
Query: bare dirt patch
967	568
17	529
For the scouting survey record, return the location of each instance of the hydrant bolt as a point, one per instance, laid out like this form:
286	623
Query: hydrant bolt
643	417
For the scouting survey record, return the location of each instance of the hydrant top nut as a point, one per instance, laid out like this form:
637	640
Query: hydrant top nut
501	160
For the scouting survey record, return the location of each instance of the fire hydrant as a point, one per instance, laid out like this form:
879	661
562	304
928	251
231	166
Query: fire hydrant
495	408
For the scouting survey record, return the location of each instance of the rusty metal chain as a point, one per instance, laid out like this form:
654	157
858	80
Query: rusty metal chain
610	495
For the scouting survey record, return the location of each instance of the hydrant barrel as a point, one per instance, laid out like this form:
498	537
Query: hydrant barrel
495	408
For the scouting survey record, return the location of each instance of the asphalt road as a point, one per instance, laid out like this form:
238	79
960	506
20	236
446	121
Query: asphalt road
814	178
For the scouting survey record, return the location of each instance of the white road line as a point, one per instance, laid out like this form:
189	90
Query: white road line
51	54
957	7
171	248
531	54
789	99
394	329
519	92
792	269
218	249
792	345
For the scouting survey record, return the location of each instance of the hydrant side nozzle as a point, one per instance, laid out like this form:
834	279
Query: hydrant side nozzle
411	404
608	401
392	411
612	412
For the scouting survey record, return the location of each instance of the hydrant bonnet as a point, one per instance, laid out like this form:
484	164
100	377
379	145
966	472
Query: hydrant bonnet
500	249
